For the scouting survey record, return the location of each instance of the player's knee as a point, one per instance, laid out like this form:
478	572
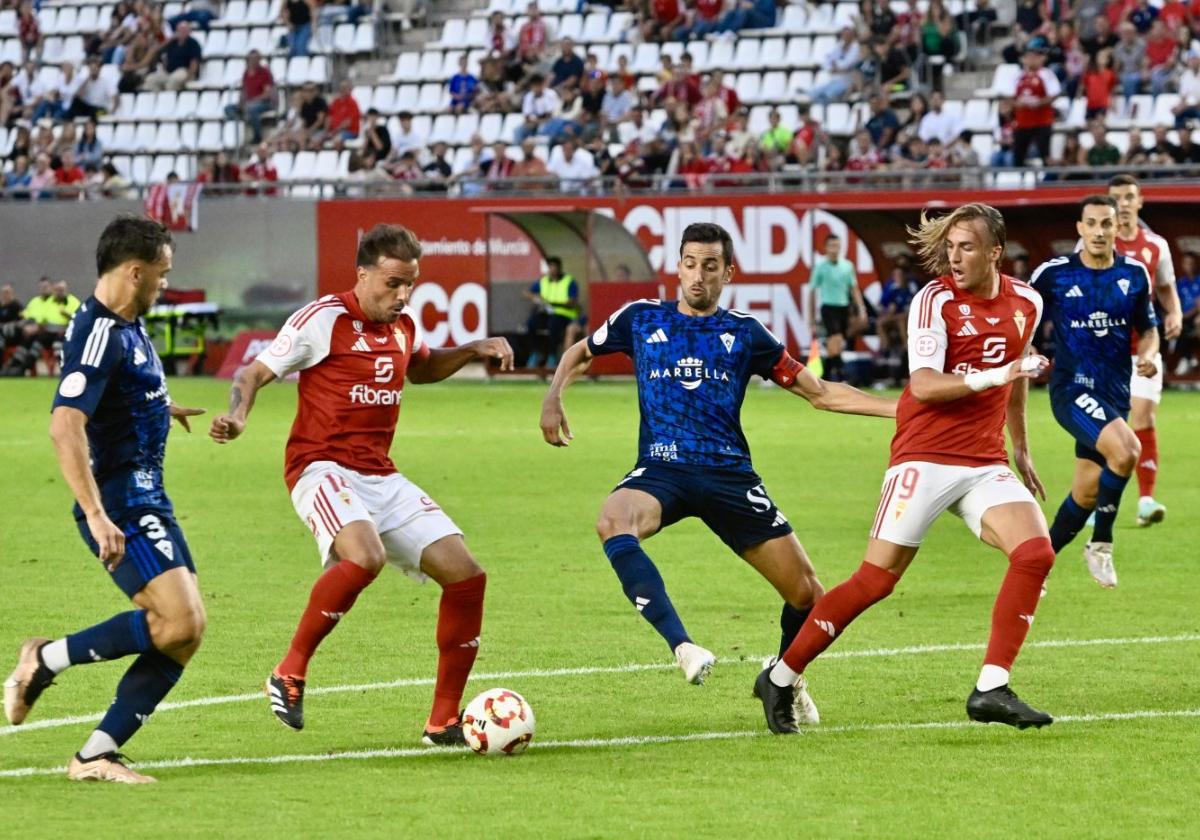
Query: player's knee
1035	556
805	592
182	629
372	559
608	526
1126	457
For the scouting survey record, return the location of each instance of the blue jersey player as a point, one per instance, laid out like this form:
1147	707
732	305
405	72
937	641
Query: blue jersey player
693	361
1096	298
109	425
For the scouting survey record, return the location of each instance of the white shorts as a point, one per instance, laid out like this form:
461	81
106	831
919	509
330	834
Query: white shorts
328	496
916	493
1147	387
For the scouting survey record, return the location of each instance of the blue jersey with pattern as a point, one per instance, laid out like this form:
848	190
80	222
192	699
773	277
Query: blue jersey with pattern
111	372
691	373
1094	313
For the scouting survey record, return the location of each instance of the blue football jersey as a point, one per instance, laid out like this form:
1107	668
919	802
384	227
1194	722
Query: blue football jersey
691	376
1094	313
111	372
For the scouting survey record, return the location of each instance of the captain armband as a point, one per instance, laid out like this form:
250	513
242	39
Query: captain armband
786	370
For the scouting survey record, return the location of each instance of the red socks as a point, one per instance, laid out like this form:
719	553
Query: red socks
332	596
1147	468
1012	616
460	618
835	610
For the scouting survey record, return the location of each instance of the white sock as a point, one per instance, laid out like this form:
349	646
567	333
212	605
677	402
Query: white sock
98	744
991	676
783	676
54	655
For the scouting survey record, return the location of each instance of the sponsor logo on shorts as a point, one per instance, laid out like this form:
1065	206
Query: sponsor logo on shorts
367	395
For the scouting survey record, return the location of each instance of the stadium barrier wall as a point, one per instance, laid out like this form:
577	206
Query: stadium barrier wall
777	237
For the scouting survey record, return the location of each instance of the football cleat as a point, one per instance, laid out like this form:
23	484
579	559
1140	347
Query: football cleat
108	767
1000	705
1099	557
27	681
450	735
778	704
694	661
1150	512
286	694
806	709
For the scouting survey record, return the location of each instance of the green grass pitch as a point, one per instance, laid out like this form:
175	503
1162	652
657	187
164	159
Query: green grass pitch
893	756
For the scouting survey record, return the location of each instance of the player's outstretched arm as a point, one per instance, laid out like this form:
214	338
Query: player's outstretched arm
574	364
1018	430
182	414
246	384
441	364
839	397
68	431
929	385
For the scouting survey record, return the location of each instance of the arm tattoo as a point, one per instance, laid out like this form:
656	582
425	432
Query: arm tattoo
235	398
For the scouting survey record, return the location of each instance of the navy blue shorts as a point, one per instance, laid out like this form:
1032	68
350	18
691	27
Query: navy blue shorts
154	544
733	503
1084	415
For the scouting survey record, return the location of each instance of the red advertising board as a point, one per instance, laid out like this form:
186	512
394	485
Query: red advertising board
777	237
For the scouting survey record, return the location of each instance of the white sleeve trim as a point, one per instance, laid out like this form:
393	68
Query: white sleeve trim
298	348
927	337
1165	270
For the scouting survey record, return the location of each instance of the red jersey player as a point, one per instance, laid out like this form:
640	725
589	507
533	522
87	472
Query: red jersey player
353	351
1150	249
969	335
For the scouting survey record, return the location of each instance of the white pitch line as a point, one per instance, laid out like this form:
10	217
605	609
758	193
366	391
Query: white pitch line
540	673
600	743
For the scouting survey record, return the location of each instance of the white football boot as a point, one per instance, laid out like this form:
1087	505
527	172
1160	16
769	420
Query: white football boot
694	661
802	702
105	768
1150	512
1099	557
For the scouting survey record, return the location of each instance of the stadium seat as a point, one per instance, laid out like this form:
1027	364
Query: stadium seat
407	97
235	13
363	95
188	133
793	20
838	119
139	169
235	68
434	98
443	129
466	126
699	53
143	107
144	137
8	23
364	38
258	12
430	68
749	87
983	144
231	134
209	137
569	26
746	55
163	165
759	120
618	26
489	127
261	40
1141	109
282	161
1163	105
383	99
209	106
773	54
164	105
407	65
10	51
595	28
318	70
1002	81
603	53
979	116
212	75
460	158
122	139
214	46
238	42
799	83
303	166
508	130
422	124
449	64
476	35
297	70
720	55
89	20
454	34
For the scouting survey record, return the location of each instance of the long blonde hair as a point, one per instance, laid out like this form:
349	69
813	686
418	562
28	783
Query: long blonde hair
929	237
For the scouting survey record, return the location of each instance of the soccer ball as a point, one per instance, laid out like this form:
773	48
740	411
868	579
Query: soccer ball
498	722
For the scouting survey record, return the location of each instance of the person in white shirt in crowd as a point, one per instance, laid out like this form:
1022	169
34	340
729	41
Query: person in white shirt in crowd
938	124
540	107
618	102
1189	91
407	139
467	170
96	94
573	166
840	63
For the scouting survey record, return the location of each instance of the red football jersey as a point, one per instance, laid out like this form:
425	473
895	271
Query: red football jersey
952	331
351	380
1152	251
1038	85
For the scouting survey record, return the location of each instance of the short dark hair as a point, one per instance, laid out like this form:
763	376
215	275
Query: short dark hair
130	237
555	261
1124	180
404	115
393	241
1101	200
707	233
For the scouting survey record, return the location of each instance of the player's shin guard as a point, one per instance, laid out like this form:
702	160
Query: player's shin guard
148	680
332	596
460	618
1068	522
119	636
1147	468
1108	501
834	612
644	587
1012	616
790	622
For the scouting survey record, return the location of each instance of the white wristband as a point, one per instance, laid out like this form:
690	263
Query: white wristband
981	380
